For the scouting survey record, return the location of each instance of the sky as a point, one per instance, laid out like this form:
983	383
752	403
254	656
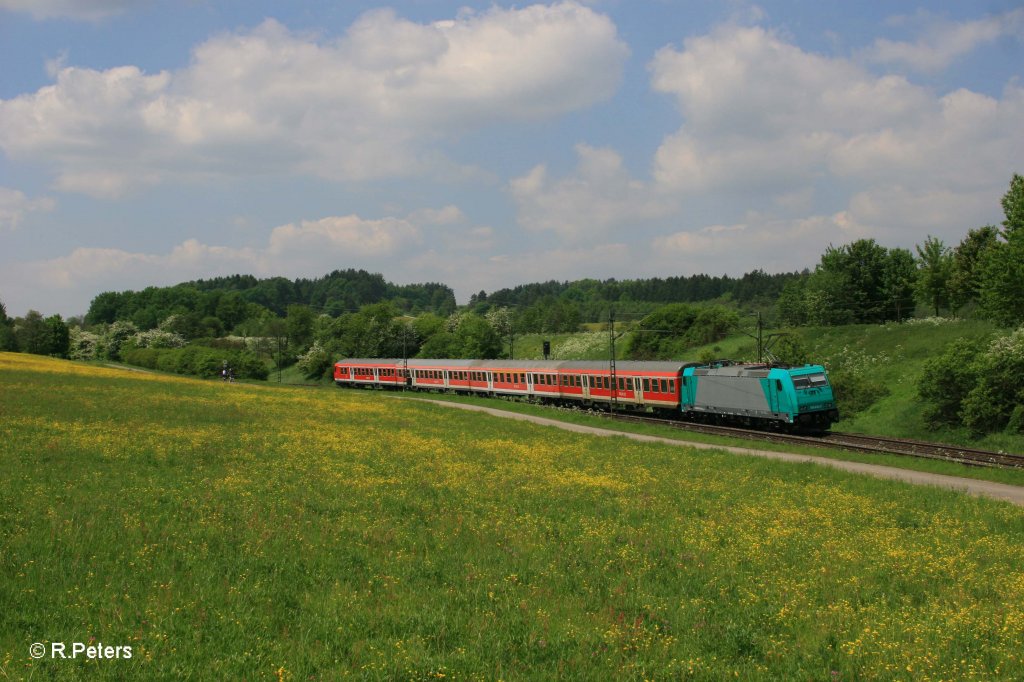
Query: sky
486	145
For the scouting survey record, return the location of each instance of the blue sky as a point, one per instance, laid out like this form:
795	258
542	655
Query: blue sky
485	145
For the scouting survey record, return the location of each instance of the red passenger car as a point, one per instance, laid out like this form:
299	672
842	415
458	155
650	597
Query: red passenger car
634	385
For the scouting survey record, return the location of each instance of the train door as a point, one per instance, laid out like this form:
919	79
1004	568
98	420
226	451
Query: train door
444	375
638	393
490	382
585	380
774	391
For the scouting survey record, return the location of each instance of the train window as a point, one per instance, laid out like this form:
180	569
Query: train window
810	381
778	385
671	385
664	386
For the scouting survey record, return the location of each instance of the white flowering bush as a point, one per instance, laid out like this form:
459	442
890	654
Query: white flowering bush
930	321
856	377
158	338
83	345
579	346
314	362
997	401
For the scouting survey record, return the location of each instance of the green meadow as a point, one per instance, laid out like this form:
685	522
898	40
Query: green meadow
236	531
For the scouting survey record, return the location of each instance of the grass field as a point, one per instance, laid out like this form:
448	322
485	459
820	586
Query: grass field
263	532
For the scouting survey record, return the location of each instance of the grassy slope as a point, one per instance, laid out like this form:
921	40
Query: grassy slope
252	531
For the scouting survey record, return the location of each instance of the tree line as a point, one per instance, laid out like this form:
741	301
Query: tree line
221	303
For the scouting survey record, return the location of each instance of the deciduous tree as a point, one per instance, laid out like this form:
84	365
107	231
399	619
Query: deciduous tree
934	267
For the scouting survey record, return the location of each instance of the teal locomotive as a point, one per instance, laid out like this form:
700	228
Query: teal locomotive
790	398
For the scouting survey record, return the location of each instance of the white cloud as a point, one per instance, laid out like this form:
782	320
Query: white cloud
71	9
14	205
943	41
759	110
273	101
761	241
597	198
348	235
764	119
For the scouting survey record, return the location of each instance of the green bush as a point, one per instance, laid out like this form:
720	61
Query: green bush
947	380
855	392
790	349
199	361
141	357
992	403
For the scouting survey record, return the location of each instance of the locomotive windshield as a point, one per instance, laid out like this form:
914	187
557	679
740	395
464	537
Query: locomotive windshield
810	381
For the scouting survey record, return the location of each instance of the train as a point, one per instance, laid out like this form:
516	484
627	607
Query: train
776	397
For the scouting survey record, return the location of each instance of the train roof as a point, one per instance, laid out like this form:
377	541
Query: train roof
630	365
672	366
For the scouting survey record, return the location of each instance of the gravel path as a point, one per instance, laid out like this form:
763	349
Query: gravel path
999	491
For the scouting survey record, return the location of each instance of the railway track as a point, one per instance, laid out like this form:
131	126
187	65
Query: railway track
849	441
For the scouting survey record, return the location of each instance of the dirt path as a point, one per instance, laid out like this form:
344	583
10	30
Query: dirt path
999	491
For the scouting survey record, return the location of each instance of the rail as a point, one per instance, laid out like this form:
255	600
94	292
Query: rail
849	441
